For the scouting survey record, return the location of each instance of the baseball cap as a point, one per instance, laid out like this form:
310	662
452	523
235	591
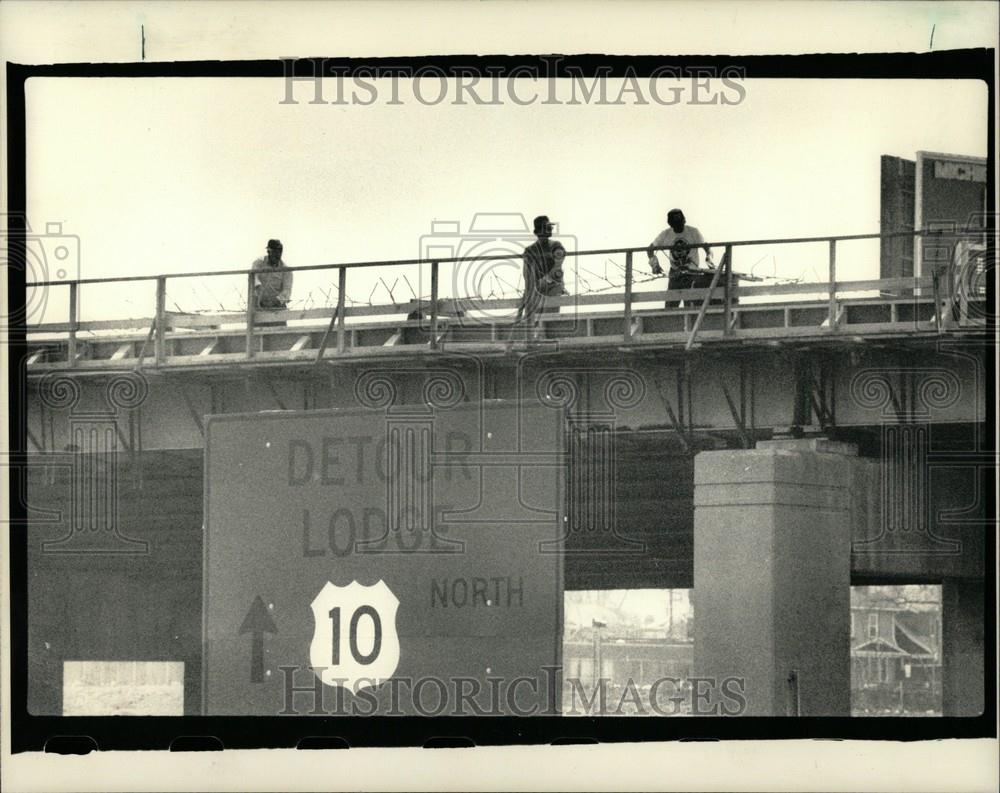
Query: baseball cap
541	221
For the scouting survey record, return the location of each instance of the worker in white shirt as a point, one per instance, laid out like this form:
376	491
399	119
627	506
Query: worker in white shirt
684	242
273	280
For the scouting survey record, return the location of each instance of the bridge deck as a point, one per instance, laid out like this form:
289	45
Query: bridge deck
195	341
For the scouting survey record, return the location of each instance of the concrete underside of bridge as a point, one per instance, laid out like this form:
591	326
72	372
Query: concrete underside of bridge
909	503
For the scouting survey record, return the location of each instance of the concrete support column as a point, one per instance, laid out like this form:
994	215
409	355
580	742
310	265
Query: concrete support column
772	552
962	620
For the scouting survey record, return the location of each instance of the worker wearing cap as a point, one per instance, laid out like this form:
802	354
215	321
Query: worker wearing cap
543	270
684	242
273	282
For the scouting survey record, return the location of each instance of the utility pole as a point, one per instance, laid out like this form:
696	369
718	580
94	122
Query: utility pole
598	652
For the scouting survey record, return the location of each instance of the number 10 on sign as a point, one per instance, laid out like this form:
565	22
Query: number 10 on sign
355	644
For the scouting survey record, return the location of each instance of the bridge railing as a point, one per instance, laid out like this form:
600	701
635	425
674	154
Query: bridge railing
725	290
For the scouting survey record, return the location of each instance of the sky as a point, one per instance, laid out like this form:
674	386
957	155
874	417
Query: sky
644	606
171	175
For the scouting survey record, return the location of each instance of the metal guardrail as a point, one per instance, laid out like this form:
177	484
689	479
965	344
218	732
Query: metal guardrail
724	279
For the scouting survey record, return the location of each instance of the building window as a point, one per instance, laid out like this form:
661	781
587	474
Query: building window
872	626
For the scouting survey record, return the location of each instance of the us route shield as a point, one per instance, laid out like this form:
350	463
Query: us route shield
355	644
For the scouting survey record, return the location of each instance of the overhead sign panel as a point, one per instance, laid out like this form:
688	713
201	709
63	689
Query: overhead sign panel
384	561
950	197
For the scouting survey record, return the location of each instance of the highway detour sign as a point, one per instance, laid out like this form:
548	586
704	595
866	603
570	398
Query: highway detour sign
385	561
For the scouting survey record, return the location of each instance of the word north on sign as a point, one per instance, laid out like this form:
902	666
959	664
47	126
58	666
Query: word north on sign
384	561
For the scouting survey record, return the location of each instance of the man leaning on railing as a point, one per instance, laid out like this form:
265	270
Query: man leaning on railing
273	282
685	260
543	272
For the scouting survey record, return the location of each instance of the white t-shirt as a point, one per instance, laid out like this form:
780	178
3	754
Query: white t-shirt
691	236
275	282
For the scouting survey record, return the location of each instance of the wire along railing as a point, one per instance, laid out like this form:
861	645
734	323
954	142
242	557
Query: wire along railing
489	288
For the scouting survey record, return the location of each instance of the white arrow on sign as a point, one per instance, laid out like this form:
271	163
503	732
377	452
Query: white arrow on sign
355	644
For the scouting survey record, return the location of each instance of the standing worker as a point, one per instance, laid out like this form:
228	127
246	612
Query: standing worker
273	280
543	272
685	258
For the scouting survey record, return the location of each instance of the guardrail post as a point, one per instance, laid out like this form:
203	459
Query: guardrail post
832	312
250	313
704	307
71	343
952	290
160	344
628	296
341	328
434	305
727	317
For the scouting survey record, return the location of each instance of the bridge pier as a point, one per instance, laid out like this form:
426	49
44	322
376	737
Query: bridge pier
772	574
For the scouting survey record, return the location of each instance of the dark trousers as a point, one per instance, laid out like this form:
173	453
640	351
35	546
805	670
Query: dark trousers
678	280
695	280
